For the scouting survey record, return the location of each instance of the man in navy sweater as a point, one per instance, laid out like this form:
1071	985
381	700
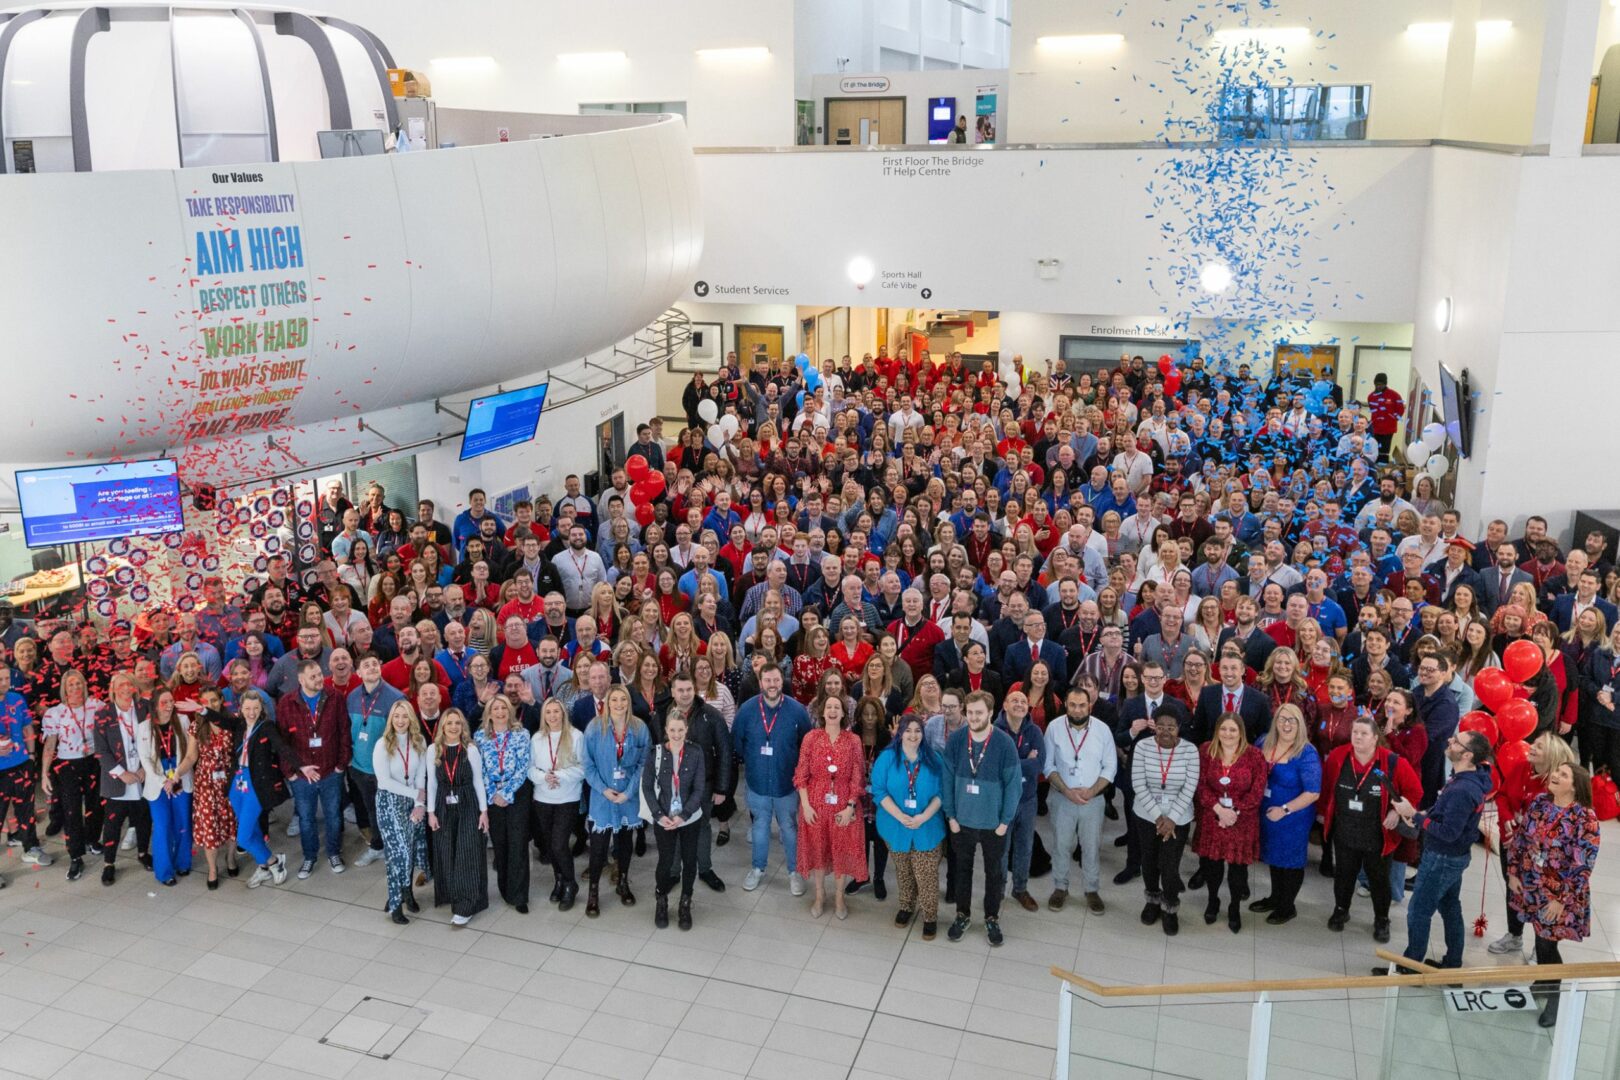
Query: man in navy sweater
979	795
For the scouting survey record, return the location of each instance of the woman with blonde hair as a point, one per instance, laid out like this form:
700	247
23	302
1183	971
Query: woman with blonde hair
1516	788
681	646
505	747
605	611
1282	680
558	777
1231	786
614	750
399	761
458	819
1293	786
722	655
483	633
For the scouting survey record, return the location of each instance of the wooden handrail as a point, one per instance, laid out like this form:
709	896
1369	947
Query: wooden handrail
1427	976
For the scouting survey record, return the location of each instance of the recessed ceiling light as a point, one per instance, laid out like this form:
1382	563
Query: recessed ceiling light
1215	277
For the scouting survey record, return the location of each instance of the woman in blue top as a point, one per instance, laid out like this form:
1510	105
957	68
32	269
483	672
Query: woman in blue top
1293	785
905	790
614	747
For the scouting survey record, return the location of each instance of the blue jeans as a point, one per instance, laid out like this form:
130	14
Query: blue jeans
785	808
326	793
1438	888
1015	854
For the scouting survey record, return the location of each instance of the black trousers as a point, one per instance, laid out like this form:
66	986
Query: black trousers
1236	876
364	801
1515	923
1600	747
880	851
17	796
79	784
676	846
1133	839
622	842
967	843
1161	862
1546	953
1348	862
122	814
509	833
1285	886
553	829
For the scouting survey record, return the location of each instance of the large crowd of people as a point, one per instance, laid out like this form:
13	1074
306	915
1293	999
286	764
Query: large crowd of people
894	611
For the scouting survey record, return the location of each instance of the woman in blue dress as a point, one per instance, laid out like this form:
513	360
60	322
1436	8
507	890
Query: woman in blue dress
1293	785
614	747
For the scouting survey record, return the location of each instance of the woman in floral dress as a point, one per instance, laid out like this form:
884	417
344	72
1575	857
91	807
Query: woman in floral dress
213	822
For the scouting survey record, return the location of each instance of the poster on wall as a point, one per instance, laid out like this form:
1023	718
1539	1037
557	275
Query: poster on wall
251	295
804	123
984	116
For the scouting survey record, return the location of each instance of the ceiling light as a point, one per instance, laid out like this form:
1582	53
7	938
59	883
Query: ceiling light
744	52
1442	315
611	58
1215	277
463	65
860	271
1275	35
1080	43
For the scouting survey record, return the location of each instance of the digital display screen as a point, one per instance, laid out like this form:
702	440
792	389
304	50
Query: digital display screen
941	118
77	503
502	420
1451	407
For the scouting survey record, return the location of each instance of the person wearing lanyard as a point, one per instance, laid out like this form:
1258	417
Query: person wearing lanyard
504	747
315	731
1360	782
906	787
168	757
615	747
69	766
1164	775
17	770
399	762
1031	746
1293	785
258	787
558	776
215	734
1231	785
830	778
1081	761
765	738
980	791
458	820
369	706
674	781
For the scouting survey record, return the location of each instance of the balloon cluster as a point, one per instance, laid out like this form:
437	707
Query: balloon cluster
1501	690
1425	451
1172	377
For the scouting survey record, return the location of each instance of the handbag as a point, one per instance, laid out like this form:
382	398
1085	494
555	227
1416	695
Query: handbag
646	804
1605	796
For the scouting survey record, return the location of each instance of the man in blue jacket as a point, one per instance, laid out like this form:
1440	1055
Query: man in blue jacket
1449	829
369	705
765	739
1437	708
979	796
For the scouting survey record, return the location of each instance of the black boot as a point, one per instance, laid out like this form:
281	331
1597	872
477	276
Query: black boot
593	905
1212	911
641	841
683	915
626	897
556	890
566	901
1234	916
410	902
661	911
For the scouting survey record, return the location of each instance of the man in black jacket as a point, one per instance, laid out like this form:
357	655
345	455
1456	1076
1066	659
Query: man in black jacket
706	729
1229	695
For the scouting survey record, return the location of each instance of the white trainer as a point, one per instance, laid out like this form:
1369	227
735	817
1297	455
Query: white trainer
753	879
36	857
128	843
795	884
369	856
1507	943
260	876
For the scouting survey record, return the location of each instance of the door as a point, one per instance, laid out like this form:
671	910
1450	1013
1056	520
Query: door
866	121
755	344
1370	360
1306	362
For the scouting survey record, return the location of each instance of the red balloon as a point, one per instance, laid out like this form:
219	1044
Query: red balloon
641	494
1482	723
636	467
1493	688
1517	721
1521	693
654	482
1522	660
1172	382
1165	364
644	515
1512	758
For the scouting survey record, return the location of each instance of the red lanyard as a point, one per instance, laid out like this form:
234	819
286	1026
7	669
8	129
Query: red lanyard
450	767
500	752
1164	767
1359	774
769	719
405	752
911	778
675	773
551	749
129	729
619	740
984	748
166	740
1068	729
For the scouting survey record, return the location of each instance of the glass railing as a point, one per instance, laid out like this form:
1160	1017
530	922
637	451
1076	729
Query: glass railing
1479	1024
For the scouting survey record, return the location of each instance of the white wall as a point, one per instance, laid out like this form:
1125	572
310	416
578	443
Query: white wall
827	31
1132	91
727	103
917	87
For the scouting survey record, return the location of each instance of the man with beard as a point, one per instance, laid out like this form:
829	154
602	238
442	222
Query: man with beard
581	571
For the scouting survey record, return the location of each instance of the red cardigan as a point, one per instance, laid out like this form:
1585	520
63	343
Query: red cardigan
1406	785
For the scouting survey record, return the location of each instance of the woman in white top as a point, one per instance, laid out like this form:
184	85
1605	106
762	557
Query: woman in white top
69	765
458	818
168	755
399	761
558	776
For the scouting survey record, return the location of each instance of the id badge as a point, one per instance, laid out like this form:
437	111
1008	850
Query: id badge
618	774
1355	805
218	776
1268	793
365	736
1226	801
315	742
911	804
766	750
451	800
832	799
675	807
973	789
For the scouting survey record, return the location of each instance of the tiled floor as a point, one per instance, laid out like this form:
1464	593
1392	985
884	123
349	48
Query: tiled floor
139	980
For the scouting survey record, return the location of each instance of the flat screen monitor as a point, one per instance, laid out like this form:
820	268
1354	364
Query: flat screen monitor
502	420
941	118
1454	407
77	503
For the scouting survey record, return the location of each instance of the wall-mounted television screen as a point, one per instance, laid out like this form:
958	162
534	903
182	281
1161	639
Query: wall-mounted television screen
502	420
76	503
1456	401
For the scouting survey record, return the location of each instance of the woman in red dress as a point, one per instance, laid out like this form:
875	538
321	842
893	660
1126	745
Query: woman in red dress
851	652
830	780
812	664
213	822
1231	783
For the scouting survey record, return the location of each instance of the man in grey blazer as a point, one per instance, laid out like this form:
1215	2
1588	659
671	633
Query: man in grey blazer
1497	580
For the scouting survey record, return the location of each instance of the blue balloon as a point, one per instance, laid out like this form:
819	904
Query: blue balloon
801	399
812	379
801	361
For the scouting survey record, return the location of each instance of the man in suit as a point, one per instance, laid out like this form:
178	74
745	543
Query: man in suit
974	674
1034	645
1134	724
1567	607
1453	570
1497	582
949	655
1229	695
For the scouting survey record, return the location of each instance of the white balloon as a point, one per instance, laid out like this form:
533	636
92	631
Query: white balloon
1437	466
1434	436
708	410
1417	453
717	437
730	425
